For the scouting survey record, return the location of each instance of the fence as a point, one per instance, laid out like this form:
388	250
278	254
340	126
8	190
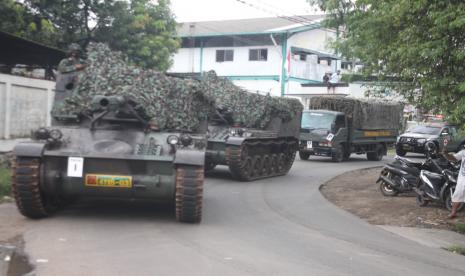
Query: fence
25	105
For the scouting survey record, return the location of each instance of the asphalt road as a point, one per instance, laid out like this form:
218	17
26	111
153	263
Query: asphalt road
276	226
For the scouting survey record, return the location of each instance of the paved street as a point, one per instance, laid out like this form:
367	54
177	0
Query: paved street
277	226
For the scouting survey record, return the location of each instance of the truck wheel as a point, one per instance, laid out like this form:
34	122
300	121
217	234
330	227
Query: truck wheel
338	155
304	155
189	193
377	155
209	166
346	154
400	152
27	192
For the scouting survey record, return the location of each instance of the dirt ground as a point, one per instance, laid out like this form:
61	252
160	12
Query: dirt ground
358	193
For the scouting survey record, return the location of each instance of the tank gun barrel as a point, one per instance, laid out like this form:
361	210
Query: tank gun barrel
111	103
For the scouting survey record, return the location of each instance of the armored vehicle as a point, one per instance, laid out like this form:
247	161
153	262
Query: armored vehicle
255	135
337	127
123	143
111	153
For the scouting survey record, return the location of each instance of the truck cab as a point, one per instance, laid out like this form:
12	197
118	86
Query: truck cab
324	132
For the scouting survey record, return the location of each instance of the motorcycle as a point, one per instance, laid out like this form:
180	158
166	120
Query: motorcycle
438	186
402	174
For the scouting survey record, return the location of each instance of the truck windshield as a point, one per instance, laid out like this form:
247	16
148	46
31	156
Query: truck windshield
316	120
432	130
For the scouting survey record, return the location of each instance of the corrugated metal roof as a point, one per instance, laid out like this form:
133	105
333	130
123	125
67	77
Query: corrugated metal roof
247	26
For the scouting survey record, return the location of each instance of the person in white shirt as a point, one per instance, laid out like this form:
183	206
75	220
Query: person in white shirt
335	77
459	194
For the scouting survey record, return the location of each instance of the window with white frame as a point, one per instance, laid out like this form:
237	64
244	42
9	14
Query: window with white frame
224	55
258	54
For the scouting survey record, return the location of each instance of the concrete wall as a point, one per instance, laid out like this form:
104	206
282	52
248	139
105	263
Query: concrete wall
25	105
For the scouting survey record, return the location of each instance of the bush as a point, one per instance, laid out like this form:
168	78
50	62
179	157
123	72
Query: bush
460	227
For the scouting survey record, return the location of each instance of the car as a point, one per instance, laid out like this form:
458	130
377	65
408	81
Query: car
442	134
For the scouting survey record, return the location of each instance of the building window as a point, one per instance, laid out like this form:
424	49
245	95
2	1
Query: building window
258	54
224	55
303	57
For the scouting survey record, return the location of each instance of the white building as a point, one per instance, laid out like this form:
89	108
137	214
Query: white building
280	56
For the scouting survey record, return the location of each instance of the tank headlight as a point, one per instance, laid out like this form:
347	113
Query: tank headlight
56	134
172	140
186	140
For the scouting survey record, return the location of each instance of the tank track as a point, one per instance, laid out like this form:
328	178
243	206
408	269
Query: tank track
189	193
26	188
261	159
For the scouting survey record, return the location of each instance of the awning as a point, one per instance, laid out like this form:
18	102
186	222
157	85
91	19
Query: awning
16	50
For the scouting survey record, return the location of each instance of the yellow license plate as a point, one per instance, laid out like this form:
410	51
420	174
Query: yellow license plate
114	181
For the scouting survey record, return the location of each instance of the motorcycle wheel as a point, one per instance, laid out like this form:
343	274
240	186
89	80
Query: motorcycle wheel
421	200
448	203
386	189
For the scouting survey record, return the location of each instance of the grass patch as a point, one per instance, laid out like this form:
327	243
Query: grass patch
5	181
456	249
460	227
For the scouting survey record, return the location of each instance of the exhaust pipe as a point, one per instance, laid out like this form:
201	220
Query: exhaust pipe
389	181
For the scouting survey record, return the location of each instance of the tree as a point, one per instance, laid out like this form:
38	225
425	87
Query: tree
17	20
419	44
144	31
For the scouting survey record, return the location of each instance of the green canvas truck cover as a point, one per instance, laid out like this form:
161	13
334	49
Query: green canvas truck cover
369	114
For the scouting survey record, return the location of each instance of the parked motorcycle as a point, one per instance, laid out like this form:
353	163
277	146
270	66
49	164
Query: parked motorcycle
437	186
402	174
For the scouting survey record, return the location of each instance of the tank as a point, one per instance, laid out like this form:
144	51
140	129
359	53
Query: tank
123	143
255	135
250	153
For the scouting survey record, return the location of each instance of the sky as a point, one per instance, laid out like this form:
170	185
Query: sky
206	10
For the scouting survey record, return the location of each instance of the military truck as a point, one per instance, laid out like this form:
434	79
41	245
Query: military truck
337	127
256	136
115	137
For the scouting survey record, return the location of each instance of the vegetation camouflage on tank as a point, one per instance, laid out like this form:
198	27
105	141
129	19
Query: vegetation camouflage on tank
173	103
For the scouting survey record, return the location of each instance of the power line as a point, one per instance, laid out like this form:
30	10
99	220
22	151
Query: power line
286	12
297	19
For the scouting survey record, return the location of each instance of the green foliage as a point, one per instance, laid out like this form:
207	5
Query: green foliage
18	20
5	181
419	43
460	227
142	29
457	249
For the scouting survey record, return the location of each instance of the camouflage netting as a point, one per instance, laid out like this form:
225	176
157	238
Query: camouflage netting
365	114
174	103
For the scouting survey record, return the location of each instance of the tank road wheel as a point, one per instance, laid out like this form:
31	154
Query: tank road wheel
257	166
290	157
281	163
29	198
304	155
189	193
267	169
274	164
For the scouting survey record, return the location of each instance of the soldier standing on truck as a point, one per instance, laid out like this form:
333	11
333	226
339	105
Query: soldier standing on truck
334	80
68	68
